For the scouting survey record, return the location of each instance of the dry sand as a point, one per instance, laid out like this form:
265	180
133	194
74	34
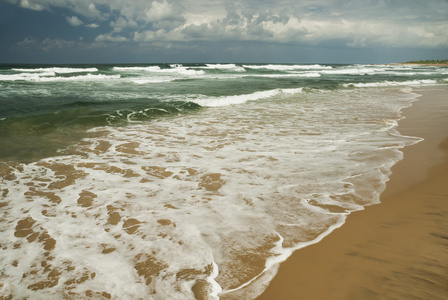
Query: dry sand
397	249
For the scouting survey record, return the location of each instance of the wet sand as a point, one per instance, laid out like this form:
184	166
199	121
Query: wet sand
397	249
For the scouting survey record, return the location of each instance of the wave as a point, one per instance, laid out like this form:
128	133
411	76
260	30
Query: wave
240	99
26	76
379	71
142	81
183	71
295	74
88	77
292	91
286	67
224	67
174	69
353	71
57	70
392	83
32	128
144	114
147	69
51	77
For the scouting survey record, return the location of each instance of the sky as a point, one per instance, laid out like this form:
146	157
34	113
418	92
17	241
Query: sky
236	31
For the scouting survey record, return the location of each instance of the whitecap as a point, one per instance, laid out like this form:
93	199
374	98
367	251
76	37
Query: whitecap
286	67
128	69
391	83
59	70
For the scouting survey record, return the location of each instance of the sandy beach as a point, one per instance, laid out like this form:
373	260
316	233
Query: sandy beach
394	250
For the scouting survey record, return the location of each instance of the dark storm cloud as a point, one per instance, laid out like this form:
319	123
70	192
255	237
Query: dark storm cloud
140	26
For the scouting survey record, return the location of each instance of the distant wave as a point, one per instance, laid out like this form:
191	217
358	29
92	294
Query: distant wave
156	69
57	70
147	69
51	76
287	67
292	74
227	67
391	83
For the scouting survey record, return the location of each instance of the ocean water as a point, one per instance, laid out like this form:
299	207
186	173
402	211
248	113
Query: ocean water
186	180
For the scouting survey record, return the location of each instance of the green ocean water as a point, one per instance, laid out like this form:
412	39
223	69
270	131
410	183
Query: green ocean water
44	108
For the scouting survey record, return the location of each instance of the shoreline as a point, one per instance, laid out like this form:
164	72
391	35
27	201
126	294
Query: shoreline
396	249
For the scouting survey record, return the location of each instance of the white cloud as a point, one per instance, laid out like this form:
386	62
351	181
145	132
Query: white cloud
45	45
49	44
358	42
122	23
84	8
158	36
160	11
165	15
93	25
74	21
362	23
110	38
27	43
33	6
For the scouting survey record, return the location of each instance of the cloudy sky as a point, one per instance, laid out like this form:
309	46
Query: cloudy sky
152	31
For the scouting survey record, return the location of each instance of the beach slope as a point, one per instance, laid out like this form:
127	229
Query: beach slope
394	250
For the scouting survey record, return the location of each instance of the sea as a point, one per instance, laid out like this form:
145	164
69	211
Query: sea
187	181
